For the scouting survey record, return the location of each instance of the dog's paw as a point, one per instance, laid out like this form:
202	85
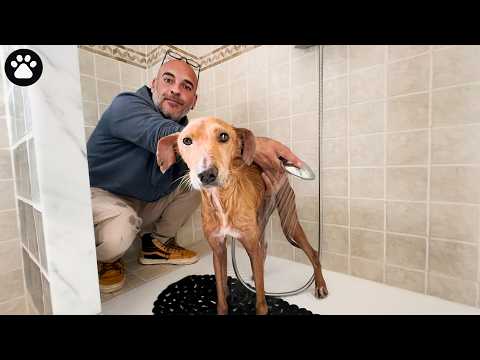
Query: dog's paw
321	292
222	310
262	309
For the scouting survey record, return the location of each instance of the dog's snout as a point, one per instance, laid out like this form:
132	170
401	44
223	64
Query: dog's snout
208	176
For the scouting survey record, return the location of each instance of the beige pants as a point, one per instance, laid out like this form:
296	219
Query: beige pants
118	219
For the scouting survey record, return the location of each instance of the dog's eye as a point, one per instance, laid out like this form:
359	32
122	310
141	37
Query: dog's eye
223	137
187	141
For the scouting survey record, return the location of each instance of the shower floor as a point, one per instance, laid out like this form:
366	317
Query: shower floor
348	294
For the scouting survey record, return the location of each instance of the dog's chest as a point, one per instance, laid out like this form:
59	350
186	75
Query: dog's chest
225	226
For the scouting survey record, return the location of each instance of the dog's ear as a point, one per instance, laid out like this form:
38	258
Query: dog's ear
247	144
166	151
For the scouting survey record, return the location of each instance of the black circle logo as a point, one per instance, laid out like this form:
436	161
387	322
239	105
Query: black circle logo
23	67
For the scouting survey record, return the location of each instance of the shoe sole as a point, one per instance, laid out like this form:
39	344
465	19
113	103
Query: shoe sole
171	262
107	289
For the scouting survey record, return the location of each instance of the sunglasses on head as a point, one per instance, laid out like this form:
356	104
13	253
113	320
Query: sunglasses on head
196	66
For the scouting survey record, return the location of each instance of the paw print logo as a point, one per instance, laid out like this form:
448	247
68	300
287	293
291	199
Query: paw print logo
23	70
23	67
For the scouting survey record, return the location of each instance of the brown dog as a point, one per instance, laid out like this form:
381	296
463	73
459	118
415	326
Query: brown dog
235	200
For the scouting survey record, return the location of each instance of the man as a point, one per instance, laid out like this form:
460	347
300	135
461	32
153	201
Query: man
130	195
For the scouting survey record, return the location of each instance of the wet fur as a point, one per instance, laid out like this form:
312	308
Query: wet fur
237	207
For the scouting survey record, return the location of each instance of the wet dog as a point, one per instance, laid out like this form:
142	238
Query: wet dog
235	199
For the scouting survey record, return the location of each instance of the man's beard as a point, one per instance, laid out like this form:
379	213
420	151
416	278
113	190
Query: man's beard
156	102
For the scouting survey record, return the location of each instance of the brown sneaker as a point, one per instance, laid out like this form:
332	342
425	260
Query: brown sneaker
155	252
111	276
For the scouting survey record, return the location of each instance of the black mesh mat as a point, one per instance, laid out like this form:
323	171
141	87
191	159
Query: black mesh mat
197	295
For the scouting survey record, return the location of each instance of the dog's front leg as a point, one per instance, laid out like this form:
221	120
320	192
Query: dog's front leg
219	249
224	272
257	259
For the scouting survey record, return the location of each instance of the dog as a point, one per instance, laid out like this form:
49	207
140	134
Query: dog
235	199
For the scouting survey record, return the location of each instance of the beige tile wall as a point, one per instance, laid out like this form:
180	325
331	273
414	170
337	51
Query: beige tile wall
401	166
102	78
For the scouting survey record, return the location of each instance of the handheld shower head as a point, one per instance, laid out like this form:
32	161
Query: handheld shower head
305	172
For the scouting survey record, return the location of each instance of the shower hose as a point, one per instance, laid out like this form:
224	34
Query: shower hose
312	278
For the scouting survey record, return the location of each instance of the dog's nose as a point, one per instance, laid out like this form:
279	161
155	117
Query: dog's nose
208	176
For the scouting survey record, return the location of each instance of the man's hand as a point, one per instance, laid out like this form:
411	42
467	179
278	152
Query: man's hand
273	184
267	156
268	153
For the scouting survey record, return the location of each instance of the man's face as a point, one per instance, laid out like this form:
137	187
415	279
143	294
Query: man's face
174	89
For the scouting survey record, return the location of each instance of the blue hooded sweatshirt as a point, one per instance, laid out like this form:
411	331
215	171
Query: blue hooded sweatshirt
122	148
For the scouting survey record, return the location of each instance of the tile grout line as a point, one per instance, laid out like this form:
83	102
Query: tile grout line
406	166
404	131
385	63
429	172
385	124
13	299
478	258
347	140
122	85
398	200
290	67
247	93
320	206
478	255
267	99
403	95
468	243
96	86
441	275
94	77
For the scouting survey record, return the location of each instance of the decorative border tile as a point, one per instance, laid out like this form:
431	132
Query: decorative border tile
223	54
118	52
155	55
215	57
